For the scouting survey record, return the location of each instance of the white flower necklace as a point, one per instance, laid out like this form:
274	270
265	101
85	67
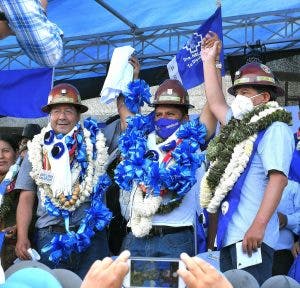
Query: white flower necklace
143	209
240	157
81	191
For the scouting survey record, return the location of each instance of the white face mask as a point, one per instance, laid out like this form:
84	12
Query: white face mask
241	105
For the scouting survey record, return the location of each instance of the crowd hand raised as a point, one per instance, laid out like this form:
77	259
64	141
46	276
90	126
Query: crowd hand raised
296	249
107	273
133	60
200	274
210	47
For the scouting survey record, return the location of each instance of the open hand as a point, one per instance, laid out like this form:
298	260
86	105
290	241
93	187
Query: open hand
107	273
134	61
200	274
210	47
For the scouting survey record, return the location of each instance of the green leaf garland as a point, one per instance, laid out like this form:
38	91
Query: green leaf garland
220	149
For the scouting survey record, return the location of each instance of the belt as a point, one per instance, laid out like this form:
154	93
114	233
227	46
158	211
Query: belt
163	230
59	228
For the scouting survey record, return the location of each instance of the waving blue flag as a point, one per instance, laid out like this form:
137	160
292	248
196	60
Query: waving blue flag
24	92
186	66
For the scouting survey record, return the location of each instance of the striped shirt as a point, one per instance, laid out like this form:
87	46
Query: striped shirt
38	37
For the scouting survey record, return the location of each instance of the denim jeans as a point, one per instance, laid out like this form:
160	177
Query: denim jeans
78	263
260	272
167	245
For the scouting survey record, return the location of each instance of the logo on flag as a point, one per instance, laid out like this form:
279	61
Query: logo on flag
186	66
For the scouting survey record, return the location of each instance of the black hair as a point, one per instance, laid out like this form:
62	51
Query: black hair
270	89
265	88
2	16
11	140
182	108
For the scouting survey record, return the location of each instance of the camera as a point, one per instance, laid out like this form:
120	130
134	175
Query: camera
153	272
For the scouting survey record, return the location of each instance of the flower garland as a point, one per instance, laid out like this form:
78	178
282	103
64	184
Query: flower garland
231	149
139	93
140	168
89	182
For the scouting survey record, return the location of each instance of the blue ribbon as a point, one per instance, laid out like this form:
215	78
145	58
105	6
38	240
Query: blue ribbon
137	167
96	217
4	185
139	93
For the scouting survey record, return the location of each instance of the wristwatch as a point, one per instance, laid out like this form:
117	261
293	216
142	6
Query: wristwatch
218	65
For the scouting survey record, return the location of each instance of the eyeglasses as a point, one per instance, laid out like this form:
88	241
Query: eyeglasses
66	112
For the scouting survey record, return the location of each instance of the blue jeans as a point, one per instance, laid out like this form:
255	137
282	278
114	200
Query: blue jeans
260	272
78	263
167	245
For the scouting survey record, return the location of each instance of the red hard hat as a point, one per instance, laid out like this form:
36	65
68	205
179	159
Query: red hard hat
64	94
255	74
171	92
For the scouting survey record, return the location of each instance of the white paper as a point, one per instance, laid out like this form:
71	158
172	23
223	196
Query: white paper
244	260
120	73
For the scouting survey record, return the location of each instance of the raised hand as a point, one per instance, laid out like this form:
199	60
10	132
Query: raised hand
133	60
210	47
200	274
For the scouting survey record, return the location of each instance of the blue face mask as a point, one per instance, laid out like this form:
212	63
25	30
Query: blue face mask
165	127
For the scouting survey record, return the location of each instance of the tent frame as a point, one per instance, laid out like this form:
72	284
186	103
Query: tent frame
156	45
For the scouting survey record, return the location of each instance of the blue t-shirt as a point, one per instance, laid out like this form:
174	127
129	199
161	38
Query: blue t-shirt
290	206
274	152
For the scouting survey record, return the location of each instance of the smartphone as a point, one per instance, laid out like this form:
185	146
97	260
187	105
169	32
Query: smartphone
153	272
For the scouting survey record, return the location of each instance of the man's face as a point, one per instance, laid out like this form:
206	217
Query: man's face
249	92
168	111
5	30
63	118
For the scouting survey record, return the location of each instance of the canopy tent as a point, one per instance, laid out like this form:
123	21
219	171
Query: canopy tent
157	30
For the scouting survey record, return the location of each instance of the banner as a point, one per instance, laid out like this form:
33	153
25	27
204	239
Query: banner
186	66
24	92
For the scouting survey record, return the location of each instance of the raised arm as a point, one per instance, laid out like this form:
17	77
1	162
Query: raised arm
207	117
39	38
213	86
122	109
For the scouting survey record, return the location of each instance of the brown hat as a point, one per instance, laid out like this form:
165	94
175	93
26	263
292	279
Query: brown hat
64	94
171	92
255	74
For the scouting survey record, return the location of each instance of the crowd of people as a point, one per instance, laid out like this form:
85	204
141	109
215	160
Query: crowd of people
156	185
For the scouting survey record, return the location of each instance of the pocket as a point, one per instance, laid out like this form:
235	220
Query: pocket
43	237
180	242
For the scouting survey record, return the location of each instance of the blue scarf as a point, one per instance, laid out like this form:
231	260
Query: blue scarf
233	198
294	173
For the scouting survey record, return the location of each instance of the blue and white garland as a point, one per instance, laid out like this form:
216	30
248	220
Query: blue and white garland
141	167
139	93
92	156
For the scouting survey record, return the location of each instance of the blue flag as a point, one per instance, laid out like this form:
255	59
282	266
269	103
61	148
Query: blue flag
24	92
186	66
